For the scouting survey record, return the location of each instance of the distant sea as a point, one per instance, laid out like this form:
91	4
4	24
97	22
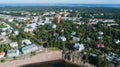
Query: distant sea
65	5
56	63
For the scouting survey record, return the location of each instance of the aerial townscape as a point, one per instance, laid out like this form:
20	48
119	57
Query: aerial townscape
85	36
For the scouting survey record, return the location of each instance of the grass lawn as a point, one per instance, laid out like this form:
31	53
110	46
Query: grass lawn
2	26
1	39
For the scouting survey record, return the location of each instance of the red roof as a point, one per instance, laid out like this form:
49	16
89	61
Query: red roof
2	53
100	45
55	34
90	23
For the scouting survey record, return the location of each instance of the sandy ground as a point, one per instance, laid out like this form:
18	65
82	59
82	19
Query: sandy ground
42	57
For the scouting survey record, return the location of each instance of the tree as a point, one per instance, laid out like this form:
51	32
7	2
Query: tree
4	47
2	60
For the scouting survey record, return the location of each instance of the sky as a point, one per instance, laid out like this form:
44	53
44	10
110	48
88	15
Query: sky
63	1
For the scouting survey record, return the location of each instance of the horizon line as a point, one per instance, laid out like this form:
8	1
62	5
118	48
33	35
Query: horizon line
60	3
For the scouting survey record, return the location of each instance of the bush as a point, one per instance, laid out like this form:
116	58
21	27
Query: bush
33	53
3	60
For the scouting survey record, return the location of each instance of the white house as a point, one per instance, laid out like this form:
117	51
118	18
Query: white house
13	53
73	33
3	33
26	42
117	41
76	39
100	37
52	12
55	34
78	46
93	55
62	38
109	20
80	23
13	44
53	25
16	32
47	13
20	19
62	30
47	20
29	48
10	20
100	33
2	54
3	29
41	22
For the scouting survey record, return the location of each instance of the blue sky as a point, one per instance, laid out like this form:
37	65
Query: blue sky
63	1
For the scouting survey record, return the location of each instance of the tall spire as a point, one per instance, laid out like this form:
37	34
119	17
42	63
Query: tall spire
58	19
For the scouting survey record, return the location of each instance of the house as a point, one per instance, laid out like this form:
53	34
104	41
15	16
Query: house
21	19
79	23
16	32
53	25
62	30
96	20
112	57
79	47
18	25
2	54
52	12
73	33
29	48
88	39
3	33
100	37
112	24
13	53
55	34
118	59
91	23
47	13
108	20
28	29
13	44
26	42
10	20
76	38
99	45
100	33
47	21
25	29
93	55
117	41
3	29
62	38
41	23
